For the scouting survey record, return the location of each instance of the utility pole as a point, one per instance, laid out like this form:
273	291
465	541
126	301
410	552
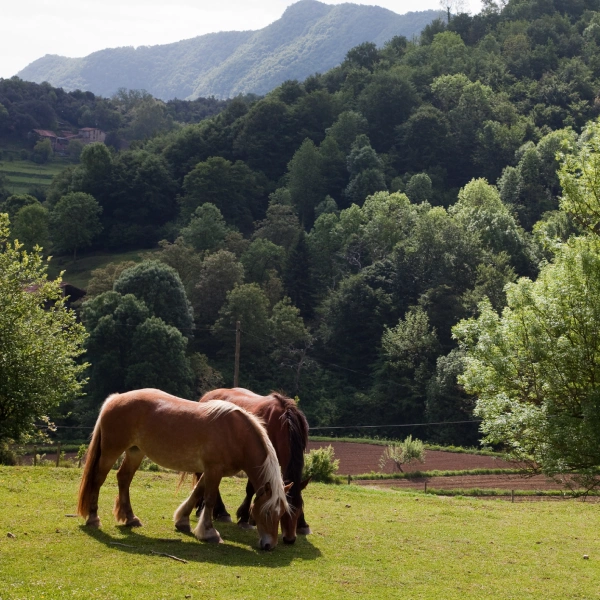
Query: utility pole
236	368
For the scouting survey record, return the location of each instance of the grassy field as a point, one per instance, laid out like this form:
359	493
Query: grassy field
23	174
78	273
366	543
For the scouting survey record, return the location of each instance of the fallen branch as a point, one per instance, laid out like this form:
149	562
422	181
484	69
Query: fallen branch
168	556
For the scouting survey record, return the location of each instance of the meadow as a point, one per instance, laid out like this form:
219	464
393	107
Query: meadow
366	543
22	175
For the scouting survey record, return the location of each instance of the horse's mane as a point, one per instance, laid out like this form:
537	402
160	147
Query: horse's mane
270	470
298	432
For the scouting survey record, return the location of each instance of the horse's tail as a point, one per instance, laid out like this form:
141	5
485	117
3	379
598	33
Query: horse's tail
89	472
298	436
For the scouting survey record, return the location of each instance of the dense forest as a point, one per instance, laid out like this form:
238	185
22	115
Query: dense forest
348	221
126	116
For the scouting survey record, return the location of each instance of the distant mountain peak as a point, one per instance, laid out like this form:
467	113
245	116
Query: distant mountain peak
309	37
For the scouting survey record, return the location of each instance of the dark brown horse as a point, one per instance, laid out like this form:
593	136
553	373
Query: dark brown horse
217	438
288	431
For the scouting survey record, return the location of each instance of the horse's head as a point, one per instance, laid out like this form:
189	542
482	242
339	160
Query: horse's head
289	520
267	515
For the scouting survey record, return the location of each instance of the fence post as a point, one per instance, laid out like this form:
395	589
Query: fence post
512	495
57	454
35	457
349	479
426	486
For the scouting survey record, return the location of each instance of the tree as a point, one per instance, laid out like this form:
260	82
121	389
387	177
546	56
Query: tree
160	288
40	341
219	273
42	151
535	368
305	182
75	222
249	305
206	229
403	453
103	279
31	226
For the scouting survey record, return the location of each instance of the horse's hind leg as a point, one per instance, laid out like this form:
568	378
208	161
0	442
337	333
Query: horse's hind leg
243	512
123	511
105	463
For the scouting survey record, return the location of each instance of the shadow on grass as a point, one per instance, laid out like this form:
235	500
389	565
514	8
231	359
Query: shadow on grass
187	547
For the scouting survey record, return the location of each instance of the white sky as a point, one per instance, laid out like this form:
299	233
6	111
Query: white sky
29	29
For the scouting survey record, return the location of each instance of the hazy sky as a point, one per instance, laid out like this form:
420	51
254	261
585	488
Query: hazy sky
29	29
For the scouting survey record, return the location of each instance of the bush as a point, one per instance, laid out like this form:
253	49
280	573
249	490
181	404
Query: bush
7	456
402	453
321	465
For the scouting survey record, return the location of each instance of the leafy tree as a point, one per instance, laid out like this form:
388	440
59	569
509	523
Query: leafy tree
14	203
160	288
42	151
206	229
305	182
40	341
403	453
103	279
218	274
534	369
75	222
233	188
262	257
31	226
157	359
248	304
281	225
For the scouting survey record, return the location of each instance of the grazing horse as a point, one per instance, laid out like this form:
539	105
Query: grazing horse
288	431
217	438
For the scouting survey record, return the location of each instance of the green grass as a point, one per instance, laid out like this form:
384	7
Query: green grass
23	174
79	273
366	543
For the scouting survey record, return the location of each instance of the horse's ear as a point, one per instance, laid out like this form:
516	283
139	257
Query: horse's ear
288	487
304	483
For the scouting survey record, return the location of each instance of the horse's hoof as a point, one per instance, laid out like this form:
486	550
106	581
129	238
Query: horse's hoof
303	530
212	537
135	522
93	523
245	525
224	518
183	527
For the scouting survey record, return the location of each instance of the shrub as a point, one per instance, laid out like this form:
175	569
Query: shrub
321	465
402	453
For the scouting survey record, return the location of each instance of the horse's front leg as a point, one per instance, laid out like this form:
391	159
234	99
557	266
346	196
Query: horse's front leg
182	514
205	530
220	512
243	512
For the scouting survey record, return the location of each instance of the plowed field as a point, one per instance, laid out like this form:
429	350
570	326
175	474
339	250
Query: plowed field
357	459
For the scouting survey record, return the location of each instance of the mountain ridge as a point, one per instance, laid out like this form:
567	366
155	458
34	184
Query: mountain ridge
309	37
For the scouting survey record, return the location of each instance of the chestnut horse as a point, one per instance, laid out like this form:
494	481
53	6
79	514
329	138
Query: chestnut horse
217	438
288	431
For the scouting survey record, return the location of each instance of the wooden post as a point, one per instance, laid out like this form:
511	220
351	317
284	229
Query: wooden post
426	486
349	479
236	369
57	454
512	495
35	457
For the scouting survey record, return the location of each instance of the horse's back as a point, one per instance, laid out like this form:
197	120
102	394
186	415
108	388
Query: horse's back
173	432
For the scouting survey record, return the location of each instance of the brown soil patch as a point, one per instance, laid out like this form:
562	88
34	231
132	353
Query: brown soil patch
358	459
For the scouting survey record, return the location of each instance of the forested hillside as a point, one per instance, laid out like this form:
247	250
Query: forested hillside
310	37
349	221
